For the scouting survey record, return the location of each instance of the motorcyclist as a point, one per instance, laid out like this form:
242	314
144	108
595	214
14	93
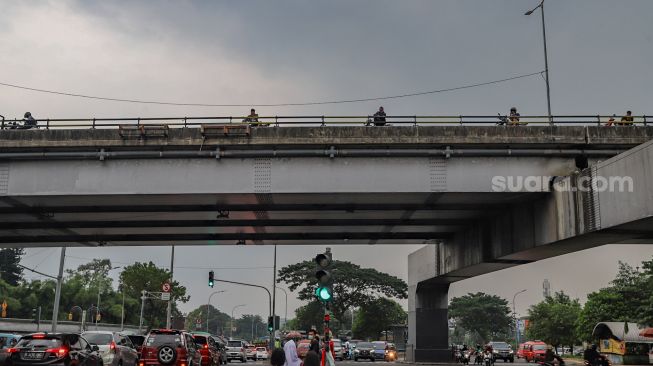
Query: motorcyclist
593	357
550	357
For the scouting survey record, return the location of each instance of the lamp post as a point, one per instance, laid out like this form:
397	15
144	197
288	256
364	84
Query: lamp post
285	318
514	314
232	319
208	308
546	59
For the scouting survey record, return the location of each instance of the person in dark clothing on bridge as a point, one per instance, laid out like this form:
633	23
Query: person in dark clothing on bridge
29	121
627	120
379	117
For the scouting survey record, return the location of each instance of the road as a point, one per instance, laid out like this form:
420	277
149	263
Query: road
398	363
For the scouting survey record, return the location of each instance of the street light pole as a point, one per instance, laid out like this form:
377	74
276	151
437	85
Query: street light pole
122	316
514	314
232	319
208	309
57	292
285	319
99	289
546	59
169	310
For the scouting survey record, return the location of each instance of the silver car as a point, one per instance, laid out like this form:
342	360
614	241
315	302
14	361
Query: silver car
115	349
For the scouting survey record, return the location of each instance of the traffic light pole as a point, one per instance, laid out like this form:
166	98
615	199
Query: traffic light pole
269	299
57	291
274	299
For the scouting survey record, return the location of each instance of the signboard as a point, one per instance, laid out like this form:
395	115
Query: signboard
166	287
4	309
165	296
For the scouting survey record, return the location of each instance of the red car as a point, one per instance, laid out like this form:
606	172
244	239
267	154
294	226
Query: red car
168	347
208	349
534	351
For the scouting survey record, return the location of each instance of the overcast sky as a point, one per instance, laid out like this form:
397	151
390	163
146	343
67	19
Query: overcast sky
255	52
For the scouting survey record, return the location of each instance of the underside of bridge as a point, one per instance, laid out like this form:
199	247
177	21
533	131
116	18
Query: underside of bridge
203	219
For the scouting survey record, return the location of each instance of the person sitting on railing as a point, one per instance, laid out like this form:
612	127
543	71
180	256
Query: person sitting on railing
379	117
29	121
252	118
611	121
627	120
514	117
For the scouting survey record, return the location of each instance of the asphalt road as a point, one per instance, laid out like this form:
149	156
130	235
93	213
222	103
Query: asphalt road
397	363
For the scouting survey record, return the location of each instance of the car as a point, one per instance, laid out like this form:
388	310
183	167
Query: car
391	352
365	351
380	348
303	347
261	353
115	349
7	340
236	350
250	352
208	349
222	347
502	351
338	350
169	347
53	349
535	351
521	351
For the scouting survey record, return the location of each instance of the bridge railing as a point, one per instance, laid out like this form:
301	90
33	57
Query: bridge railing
307	121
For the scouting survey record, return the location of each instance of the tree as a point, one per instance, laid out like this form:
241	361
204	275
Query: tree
10	271
309	316
628	299
551	320
377	316
219	322
353	286
487	315
149	277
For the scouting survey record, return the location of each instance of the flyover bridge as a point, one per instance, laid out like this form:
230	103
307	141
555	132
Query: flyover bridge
487	197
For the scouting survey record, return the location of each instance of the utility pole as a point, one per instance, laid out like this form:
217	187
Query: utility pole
172	265
143	297
274	300
122	316
546	60
57	292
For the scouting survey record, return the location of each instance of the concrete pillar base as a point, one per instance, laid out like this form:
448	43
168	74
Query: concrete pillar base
433	355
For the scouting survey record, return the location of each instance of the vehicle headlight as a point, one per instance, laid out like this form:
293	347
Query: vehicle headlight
495	351
356	351
511	351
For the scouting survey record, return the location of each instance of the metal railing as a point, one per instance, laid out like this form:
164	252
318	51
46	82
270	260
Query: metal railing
313	121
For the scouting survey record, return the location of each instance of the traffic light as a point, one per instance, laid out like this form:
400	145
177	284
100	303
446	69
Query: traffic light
211	279
270	324
35	315
323	292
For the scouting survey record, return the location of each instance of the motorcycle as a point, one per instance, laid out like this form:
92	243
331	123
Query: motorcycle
464	359
478	360
488	358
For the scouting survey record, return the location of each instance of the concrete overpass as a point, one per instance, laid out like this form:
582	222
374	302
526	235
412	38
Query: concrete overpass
334	185
285	185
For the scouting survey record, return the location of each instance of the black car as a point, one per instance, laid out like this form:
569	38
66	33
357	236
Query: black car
502	351
364	350
56	349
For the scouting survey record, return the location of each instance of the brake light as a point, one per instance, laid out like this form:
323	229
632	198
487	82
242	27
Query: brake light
12	350
59	352
112	347
38	335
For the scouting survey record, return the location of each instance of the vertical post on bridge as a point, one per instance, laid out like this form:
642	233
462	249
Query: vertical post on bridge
169	310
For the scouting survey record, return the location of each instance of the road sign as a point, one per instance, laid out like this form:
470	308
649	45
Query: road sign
166	287
165	296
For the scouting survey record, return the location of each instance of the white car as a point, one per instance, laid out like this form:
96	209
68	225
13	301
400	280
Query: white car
261	353
115	349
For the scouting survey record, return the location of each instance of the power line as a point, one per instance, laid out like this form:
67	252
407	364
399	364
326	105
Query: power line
414	94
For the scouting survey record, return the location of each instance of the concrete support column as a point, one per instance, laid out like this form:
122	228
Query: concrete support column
431	324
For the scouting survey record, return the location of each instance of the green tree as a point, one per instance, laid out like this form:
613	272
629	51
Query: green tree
487	315
353	286
149	277
308	316
377	316
628	299
552	320
10	271
219	322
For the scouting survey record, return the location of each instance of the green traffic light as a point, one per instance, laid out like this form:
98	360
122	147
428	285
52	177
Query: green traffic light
324	293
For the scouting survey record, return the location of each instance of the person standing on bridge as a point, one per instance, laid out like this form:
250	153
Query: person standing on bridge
379	117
